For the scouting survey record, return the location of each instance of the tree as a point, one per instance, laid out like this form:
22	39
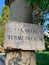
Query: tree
5	14
3	19
47	26
42	4
46	42
40	7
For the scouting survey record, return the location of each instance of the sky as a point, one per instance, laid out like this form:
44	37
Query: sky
2	3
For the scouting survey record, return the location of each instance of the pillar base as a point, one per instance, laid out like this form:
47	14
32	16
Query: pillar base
20	58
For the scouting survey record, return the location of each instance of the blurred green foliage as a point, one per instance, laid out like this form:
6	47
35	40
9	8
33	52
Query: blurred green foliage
4	18
46	42
42	58
42	4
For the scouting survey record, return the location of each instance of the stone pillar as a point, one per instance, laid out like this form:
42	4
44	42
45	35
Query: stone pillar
20	11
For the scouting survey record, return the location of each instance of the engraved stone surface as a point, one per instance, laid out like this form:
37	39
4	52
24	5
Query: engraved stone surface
23	36
20	58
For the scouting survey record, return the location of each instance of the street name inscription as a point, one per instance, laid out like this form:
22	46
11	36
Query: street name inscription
23	36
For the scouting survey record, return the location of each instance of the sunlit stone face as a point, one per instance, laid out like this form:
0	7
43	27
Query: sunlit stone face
23	36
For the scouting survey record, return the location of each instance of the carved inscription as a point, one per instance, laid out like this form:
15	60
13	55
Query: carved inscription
24	36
